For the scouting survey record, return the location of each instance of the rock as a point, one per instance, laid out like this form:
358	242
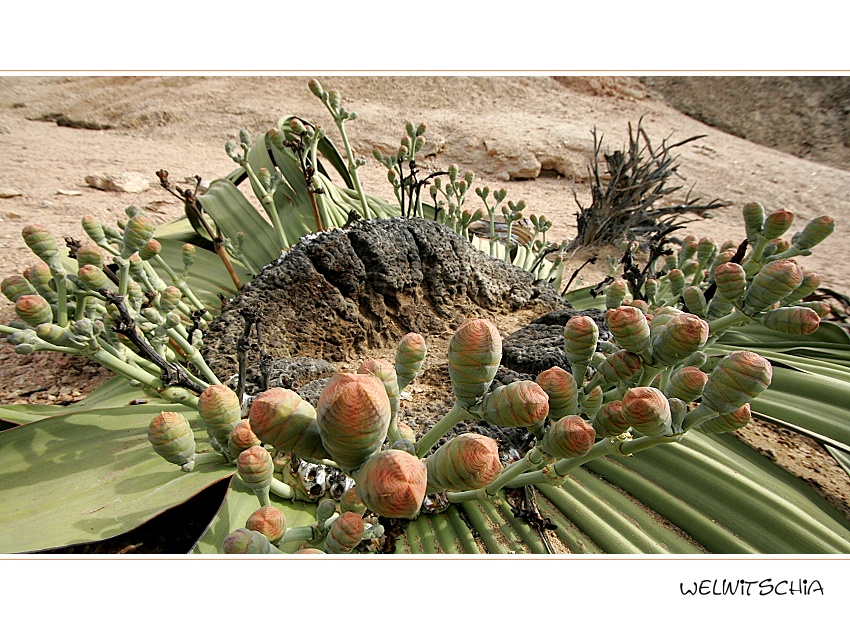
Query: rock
344	292
540	345
125	182
4	129
287	372
7	191
70	193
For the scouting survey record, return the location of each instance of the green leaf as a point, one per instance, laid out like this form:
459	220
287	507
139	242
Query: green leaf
208	276
238	505
735	500
233	213
116	392
82	477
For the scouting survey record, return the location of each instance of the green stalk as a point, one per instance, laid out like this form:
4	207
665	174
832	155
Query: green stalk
697	416
292	534
533	459
123	275
352	164
281	489
80	309
60	278
457	413
562	467
715	327
268	204
492	213
648	375
193	356
185	289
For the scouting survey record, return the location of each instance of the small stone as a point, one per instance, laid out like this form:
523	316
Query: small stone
13	215
4	129
70	193
125	182
8	191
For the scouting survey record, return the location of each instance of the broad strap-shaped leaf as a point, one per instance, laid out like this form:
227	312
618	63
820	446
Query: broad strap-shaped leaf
233	213
115	393
735	500
82	477
238	505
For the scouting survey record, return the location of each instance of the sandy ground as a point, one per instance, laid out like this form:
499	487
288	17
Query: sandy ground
530	135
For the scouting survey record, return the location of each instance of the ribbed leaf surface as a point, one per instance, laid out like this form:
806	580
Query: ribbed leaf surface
84	476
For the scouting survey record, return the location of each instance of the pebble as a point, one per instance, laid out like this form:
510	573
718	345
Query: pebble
70	193
8	191
125	182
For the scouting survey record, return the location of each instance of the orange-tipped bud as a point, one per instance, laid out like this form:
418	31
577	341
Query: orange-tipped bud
728	422
571	436
561	388
518	404
136	235
169	299
241	439
345	533
694	300
475	352
731	280
256	467
409	357
647	411
609	420
630	328
246	541
152	248
42	243
89	255
93	278
777	223
676	277
681	336
172	438
280	417
34	310
775	281
268	521
620	366
466	462
792	320
15	286
580	336
815	231
386	373
39	277
753	220
350	502
810	283
737	379
686	384
615	293
392	484
220	409
353	416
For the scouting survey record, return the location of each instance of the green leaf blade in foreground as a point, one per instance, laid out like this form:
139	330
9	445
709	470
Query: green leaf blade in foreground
238	505
87	476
